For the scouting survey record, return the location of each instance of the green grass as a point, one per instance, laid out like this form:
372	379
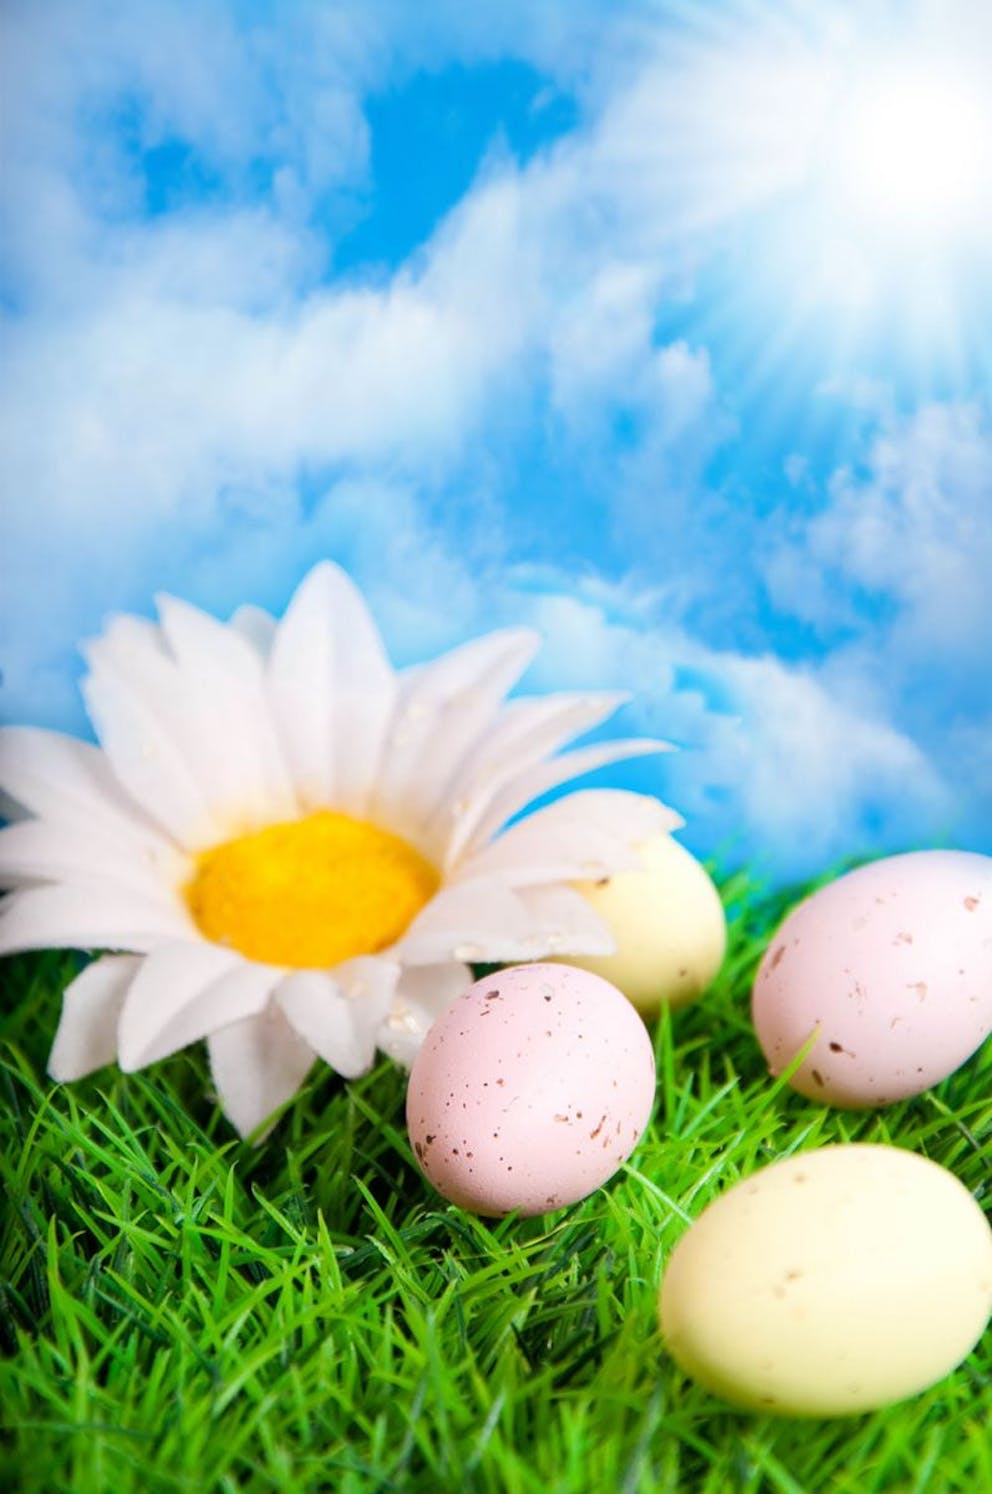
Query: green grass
182	1312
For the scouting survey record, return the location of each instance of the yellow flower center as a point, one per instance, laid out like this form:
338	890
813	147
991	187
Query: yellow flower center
310	893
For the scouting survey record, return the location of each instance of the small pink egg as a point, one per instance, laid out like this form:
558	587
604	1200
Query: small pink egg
530	1090
891	966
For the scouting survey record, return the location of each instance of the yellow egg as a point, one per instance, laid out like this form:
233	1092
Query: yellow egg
668	923
831	1283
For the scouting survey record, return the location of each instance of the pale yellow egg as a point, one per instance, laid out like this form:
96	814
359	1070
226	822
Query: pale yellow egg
831	1283
668	923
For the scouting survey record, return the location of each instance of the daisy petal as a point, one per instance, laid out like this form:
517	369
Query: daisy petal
632	817
36	850
341	1028
237	744
589	834
475	922
91	1004
60	778
144	755
527	786
100	915
564	922
184	991
134	641
527	855
135	653
421	996
332	689
485	922
256	626
257	1065
526	732
444	708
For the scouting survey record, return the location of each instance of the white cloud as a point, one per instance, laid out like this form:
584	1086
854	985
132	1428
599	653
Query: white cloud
920	530
604	359
894	571
267	111
178	357
600	337
169	364
913	536
187	405
784	774
811	779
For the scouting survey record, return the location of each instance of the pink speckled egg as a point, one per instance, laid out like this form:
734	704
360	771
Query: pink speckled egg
892	966
530	1090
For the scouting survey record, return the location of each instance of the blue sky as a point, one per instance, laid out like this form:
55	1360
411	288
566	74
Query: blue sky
664	328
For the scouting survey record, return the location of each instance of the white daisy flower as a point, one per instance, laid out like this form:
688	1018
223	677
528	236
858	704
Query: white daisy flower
295	849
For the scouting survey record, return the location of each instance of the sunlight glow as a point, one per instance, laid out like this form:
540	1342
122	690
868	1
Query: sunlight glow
842	161
914	151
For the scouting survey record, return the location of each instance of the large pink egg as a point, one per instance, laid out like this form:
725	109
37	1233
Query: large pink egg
530	1090
891	967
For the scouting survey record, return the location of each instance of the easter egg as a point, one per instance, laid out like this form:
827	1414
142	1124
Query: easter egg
891	967
668	923
530	1090
830	1283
